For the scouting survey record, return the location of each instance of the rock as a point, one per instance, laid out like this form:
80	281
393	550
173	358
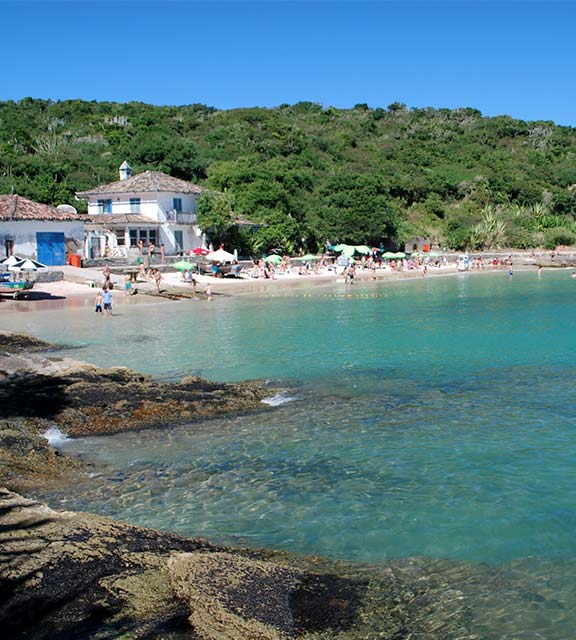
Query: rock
82	399
233	598
71	575
26	458
16	342
74	575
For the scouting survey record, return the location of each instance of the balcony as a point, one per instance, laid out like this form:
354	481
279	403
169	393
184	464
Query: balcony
180	217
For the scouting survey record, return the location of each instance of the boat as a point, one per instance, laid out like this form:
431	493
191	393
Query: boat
16	288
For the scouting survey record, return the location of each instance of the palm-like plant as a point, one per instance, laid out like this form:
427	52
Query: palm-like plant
490	232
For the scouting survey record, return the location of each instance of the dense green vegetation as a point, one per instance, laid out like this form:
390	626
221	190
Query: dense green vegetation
310	174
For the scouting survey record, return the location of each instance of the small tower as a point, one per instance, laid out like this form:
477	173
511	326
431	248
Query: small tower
125	171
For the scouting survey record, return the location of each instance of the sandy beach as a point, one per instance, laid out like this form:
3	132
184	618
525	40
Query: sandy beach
79	286
70	292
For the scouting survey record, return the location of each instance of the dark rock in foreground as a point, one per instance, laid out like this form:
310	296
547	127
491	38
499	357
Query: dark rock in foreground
74	575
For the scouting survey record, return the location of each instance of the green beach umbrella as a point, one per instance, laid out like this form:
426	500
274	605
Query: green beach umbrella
183	265
273	259
400	254
348	251
434	254
339	247
309	256
363	249
388	255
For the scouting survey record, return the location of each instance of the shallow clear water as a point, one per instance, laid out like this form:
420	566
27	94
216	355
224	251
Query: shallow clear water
429	418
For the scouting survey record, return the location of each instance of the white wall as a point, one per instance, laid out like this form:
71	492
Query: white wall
153	206
23	232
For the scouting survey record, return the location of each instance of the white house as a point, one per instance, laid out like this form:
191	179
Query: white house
150	206
34	230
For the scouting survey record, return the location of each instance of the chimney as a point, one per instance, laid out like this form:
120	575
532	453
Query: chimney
125	171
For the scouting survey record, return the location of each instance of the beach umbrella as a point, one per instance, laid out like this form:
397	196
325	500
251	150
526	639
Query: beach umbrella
399	254
200	251
183	265
363	249
389	255
273	259
10	261
220	256
434	254
27	265
309	256
348	251
339	247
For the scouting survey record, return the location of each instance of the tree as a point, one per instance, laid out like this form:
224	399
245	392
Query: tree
355	208
215	215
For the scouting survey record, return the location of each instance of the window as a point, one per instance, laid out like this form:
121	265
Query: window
177	204
134	205
104	206
120	237
146	235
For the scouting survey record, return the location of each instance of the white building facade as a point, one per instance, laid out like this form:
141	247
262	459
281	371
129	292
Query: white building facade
150	207
34	230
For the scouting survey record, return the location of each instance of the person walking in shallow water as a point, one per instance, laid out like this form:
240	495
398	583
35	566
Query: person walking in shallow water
107	300
208	291
98	303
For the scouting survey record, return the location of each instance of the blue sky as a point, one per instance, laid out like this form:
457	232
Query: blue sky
515	58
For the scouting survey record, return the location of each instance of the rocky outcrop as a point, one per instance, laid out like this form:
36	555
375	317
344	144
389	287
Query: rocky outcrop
41	391
231	597
74	575
26	458
83	399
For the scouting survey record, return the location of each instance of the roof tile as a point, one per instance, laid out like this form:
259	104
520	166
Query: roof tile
149	181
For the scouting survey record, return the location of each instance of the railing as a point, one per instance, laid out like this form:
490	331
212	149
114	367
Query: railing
180	217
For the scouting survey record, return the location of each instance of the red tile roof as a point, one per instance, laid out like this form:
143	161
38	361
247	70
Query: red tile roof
149	181
14	207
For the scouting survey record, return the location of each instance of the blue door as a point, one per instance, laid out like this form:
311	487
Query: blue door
51	248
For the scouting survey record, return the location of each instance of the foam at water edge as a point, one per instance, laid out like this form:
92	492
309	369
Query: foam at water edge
277	400
55	437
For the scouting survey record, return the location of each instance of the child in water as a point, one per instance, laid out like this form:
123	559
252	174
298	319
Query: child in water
98	302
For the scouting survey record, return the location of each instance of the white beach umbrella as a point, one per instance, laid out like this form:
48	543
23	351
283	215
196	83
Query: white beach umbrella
220	256
27	265
10	261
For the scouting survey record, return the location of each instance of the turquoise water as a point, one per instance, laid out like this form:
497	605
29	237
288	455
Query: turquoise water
430	418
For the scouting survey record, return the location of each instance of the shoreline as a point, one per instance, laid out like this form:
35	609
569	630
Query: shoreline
67	293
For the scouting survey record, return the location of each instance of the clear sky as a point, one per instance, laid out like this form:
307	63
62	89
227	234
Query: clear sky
516	58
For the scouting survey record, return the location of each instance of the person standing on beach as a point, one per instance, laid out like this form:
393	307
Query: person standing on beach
107	300
157	280
208	291
351	273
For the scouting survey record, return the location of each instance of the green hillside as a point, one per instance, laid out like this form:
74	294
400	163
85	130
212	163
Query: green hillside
311	173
